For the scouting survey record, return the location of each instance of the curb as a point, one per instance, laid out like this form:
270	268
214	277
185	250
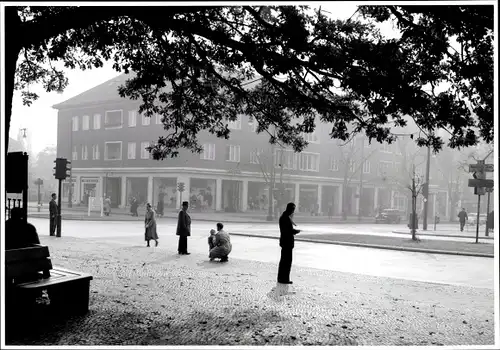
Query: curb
376	246
436	235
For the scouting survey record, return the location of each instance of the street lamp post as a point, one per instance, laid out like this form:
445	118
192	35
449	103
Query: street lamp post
70	190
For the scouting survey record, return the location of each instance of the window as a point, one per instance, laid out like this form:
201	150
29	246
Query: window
74	155
252	122
387	148
384	167
84	152
74	123
158	119
398	147
113	119
131	152
232	153
113	150
95	152
85	122
352	166
132	118
208	151
334	164
366	167
235	124
397	167
309	161
288	160
144	152
255	156
145	120
311	137
97	121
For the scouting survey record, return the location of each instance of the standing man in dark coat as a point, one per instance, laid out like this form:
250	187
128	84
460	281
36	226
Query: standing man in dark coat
462	217
53	211
183	229
287	243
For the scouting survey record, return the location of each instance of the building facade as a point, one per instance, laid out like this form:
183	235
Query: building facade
105	138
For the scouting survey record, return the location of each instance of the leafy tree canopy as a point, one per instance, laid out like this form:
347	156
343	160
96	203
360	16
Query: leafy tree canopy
195	66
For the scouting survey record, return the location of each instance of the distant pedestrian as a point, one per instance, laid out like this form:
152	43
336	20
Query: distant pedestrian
53	212
159	207
222	245
150	226
183	229
462	217
287	243
133	207
330	211
107	206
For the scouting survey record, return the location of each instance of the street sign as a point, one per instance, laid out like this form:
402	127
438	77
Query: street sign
480	183
481	167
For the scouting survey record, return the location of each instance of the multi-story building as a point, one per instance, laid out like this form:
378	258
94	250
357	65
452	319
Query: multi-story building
105	138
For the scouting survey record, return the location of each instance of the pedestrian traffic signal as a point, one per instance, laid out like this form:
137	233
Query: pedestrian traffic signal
61	168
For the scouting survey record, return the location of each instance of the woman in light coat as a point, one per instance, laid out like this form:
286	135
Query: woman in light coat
222	245
150	225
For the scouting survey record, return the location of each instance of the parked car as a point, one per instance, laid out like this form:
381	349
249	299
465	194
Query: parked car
389	216
472	219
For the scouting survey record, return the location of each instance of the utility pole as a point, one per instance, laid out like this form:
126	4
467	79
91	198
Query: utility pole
426	187
58	218
486	232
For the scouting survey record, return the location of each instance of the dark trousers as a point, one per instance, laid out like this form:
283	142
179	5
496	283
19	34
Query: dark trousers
53	225
183	244
462	224
285	265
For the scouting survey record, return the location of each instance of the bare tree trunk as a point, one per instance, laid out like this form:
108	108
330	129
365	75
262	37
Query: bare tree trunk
270	215
12	49
413	207
344	200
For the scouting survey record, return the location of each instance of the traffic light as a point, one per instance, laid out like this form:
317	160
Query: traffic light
60	170
180	187
68	168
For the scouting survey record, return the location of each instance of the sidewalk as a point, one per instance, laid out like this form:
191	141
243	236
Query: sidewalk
153	296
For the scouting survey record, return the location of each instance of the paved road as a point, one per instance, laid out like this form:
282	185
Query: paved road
456	270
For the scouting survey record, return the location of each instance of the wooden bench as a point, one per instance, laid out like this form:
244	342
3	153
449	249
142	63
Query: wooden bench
29	271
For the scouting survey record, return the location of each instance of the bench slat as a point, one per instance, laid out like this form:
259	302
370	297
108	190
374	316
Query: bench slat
59	276
22	268
29	253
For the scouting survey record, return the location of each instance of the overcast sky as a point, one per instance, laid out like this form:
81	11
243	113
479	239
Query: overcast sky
41	119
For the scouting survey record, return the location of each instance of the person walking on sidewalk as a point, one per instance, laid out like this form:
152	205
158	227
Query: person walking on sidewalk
287	243
462	217
222	245
150	226
183	229
133	207
53	211
107	206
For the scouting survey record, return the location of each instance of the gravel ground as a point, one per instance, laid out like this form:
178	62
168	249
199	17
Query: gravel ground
142	296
